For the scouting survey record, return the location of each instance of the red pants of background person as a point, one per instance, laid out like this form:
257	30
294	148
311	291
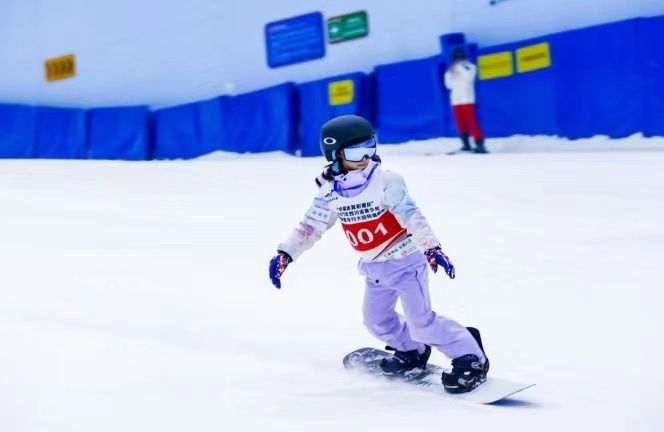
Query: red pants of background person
466	121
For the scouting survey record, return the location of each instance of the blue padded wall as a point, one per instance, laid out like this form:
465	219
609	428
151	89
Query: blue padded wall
450	41
61	133
650	33
409	101
522	103
315	108
17	131
261	121
605	79
118	133
188	131
598	80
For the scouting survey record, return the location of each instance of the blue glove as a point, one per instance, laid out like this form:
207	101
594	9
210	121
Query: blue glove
278	266
436	257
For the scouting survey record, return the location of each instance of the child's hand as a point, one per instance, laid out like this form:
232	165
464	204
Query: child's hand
278	266
436	257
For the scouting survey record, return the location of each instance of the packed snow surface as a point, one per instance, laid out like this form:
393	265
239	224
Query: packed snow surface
135	296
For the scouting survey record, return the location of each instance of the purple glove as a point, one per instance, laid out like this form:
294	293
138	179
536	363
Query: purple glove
436	257
278	266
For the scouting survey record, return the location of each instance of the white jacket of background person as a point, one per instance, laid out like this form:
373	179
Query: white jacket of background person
460	80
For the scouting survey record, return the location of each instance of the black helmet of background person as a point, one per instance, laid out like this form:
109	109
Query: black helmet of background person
343	131
459	54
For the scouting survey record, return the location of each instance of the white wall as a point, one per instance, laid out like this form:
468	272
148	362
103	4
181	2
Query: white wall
512	20
163	52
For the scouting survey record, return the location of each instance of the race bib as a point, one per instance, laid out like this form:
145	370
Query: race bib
371	234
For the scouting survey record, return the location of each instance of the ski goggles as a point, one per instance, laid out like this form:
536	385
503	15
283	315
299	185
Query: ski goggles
357	152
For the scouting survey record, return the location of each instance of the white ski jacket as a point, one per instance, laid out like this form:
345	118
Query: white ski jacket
381	221
460	80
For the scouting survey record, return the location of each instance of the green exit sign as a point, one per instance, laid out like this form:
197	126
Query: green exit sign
346	27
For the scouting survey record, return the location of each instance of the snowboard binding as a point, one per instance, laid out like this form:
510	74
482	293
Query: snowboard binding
467	371
403	361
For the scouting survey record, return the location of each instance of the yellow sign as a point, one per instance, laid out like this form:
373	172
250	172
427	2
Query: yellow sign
340	92
58	68
533	57
495	65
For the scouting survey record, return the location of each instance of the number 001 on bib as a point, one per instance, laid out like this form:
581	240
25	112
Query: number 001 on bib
375	233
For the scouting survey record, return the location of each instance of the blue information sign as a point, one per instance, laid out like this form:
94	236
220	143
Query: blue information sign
295	39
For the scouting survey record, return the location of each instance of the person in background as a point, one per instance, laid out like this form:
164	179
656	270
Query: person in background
460	80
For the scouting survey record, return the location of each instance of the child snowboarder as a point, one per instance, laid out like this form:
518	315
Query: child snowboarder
385	226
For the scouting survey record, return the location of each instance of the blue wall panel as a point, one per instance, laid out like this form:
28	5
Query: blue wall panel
210	120
315	109
261	121
61	133
651	56
409	101
188	131
118	133
449	42
598	81
17	131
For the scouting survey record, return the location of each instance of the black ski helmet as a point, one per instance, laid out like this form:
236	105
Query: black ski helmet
459	54
343	131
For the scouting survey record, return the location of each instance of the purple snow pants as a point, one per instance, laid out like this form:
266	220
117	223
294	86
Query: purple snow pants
408	279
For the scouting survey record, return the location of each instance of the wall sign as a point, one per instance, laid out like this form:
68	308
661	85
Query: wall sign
340	92
346	27
533	57
294	40
59	68
495	65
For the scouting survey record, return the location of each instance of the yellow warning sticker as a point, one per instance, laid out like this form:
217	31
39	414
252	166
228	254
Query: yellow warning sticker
495	65
533	57
341	92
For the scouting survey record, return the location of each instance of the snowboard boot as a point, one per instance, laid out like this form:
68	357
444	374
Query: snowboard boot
479	146
465	139
467	371
403	361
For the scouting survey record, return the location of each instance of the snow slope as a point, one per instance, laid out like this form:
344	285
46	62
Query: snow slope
135	297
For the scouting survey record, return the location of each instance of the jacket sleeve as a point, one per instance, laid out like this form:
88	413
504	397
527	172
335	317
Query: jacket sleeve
449	80
319	218
406	211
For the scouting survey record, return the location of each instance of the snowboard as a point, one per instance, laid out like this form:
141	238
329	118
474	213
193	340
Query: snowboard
366	360
456	152
447	153
450	153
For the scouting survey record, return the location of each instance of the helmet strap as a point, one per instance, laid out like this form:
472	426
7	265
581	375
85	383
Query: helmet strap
336	168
